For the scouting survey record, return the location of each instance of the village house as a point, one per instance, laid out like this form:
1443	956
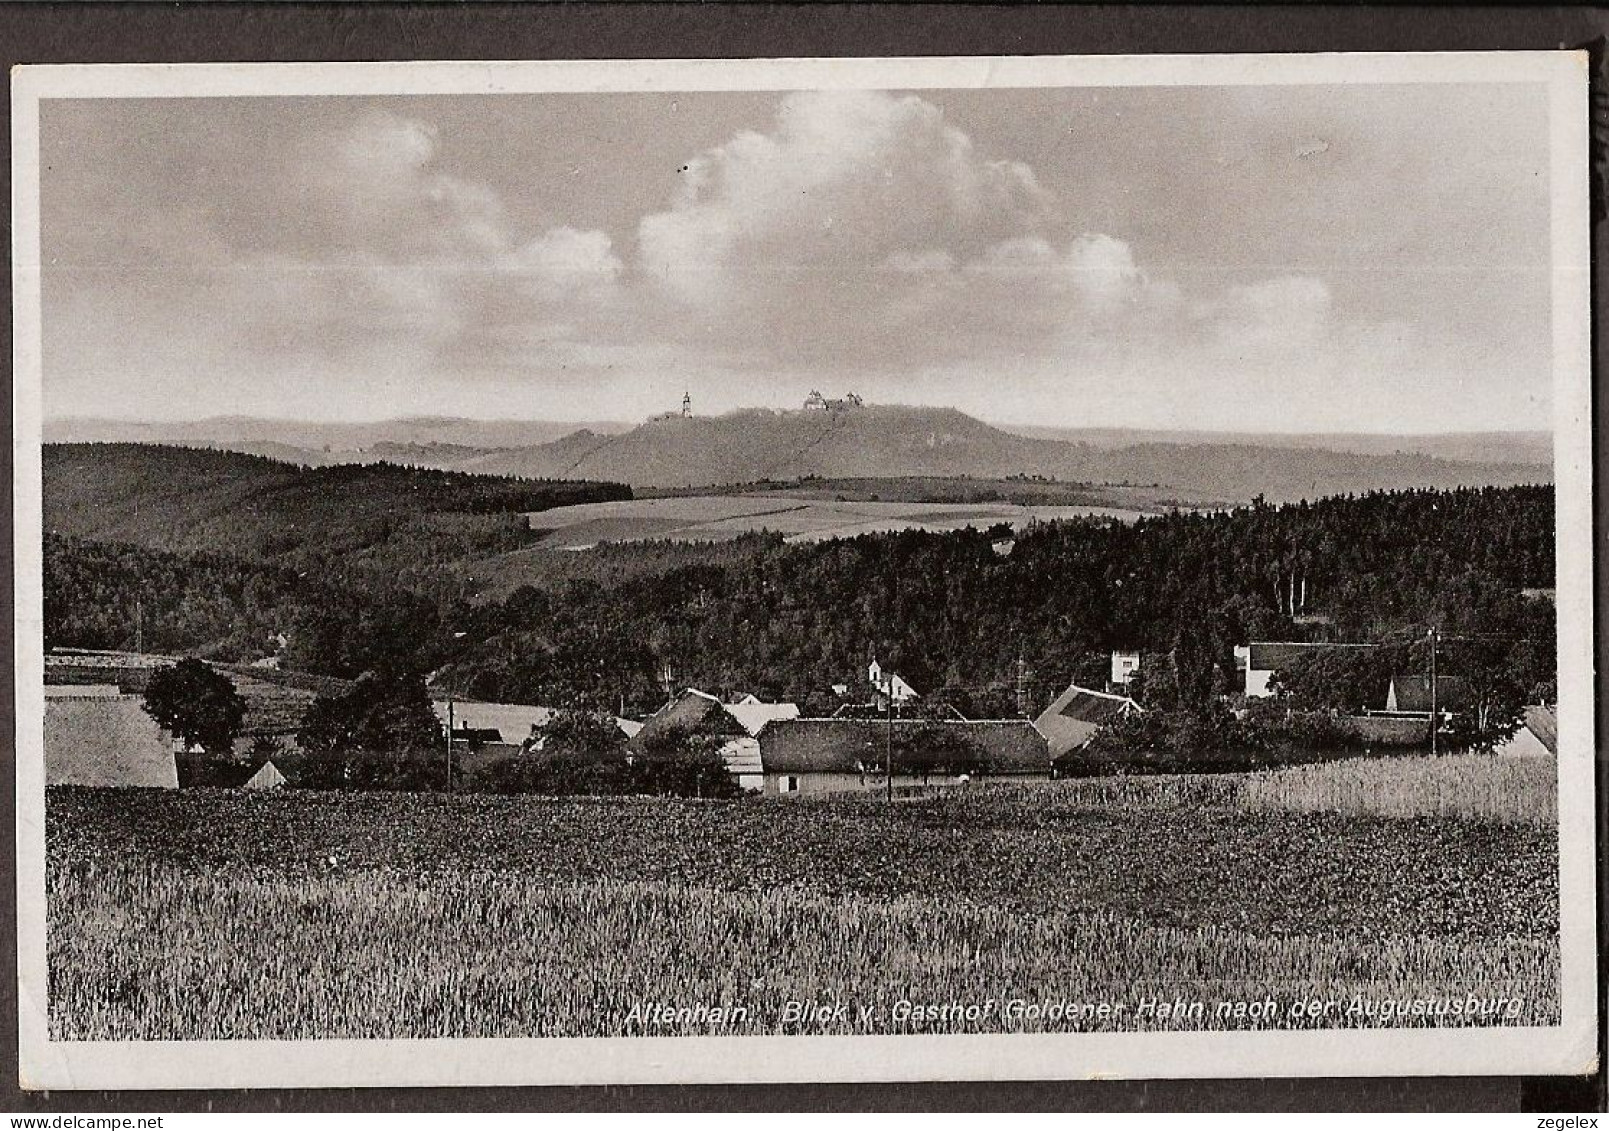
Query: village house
739	723
889	685
97	735
839	755
512	725
265	779
1077	715
1259	661
1538	736
1124	665
485	735
1409	695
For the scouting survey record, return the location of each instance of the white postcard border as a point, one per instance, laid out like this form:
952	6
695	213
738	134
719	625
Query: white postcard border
1567	1049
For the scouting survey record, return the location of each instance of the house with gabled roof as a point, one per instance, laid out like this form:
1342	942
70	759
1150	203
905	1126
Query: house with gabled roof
837	755
265	779
1538	736
738	723
1078	714
1410	695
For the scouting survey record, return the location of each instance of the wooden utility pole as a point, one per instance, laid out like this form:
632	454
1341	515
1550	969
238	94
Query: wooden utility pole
888	736
449	740
1435	714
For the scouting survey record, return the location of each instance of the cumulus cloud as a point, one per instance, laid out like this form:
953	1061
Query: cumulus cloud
863	226
375	188
857	234
847	178
847	219
860	228
384	246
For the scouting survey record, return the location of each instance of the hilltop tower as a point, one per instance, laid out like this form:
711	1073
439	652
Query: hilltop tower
687	404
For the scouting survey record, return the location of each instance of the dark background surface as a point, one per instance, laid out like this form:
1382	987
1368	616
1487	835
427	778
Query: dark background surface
219	32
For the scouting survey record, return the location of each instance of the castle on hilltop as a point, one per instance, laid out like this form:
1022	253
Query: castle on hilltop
815	402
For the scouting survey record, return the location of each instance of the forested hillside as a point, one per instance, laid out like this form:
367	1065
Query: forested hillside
362	525
119	596
943	609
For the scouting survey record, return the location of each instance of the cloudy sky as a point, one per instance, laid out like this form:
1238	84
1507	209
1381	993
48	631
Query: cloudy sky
1369	258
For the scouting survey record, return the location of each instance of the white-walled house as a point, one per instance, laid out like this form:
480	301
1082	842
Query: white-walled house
890	684
1259	661
1124	665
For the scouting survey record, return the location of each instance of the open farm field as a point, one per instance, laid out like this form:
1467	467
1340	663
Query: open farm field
353	914
1019	490
1475	786
275	700
705	518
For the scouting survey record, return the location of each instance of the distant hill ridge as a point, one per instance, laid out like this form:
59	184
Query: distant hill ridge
426	441
872	442
890	441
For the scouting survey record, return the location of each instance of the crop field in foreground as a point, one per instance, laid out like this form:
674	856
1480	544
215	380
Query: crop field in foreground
201	914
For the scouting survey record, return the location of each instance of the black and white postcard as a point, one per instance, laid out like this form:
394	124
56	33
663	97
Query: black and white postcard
803	570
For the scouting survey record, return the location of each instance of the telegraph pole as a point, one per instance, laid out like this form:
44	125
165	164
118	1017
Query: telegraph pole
888	735
1435	716
449	740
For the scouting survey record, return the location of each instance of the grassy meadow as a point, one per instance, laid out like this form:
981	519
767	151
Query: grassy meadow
212	914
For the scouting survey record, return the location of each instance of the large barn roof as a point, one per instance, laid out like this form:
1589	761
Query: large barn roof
691	709
845	746
96	736
1077	714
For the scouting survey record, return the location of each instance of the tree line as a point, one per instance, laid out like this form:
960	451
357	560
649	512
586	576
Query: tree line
958	620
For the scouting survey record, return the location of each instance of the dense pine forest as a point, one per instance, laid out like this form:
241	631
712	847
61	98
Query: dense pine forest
946	610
